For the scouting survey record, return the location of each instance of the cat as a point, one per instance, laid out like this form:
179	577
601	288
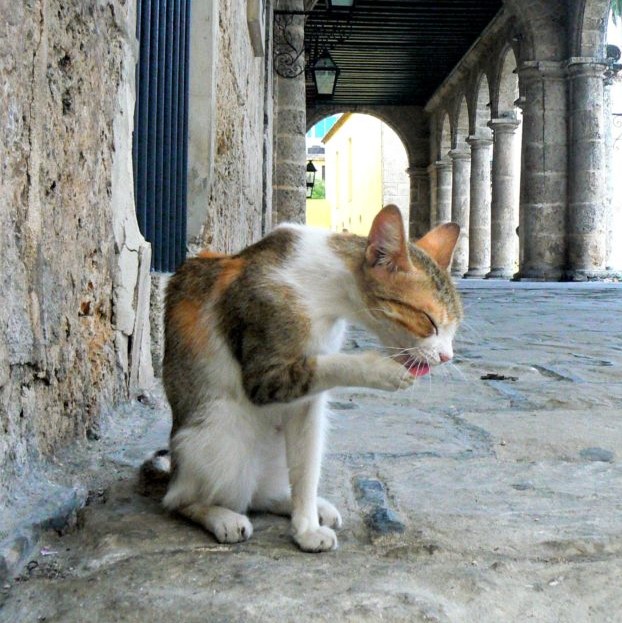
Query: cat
252	345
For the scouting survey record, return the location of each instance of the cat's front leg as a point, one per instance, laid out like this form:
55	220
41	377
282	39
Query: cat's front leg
304	439
327	514
226	525
368	369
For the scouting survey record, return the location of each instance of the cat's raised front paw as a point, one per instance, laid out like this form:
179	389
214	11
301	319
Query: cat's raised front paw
321	539
385	373
328	514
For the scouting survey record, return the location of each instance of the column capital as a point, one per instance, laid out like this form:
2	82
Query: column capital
504	125
441	165
479	142
542	70
460	154
579	66
415	172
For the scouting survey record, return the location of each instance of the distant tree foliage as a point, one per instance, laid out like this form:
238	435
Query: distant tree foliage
616	10
319	191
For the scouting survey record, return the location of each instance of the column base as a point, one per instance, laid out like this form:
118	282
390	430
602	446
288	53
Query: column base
542	274
475	273
581	275
500	273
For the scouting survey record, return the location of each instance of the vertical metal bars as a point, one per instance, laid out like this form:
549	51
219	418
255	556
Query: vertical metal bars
160	147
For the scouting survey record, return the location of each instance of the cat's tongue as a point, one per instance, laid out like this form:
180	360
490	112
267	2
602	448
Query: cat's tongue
420	369
414	367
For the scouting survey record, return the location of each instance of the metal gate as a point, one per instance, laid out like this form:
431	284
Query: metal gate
160	145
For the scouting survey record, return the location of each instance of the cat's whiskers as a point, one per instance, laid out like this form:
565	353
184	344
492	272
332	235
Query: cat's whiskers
472	329
453	366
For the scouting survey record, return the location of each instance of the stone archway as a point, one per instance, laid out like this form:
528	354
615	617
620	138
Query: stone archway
542	26
588	28
367	167
411	125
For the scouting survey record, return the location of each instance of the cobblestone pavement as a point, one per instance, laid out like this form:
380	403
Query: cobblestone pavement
491	492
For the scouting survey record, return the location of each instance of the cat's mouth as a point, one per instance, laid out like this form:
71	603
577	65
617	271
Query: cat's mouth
413	365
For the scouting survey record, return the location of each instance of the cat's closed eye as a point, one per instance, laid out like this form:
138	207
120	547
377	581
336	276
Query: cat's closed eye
433	325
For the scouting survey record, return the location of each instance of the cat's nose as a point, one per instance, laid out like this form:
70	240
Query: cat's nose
444	357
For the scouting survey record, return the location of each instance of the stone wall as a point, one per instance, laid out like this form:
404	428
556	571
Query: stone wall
70	251
234	201
395	182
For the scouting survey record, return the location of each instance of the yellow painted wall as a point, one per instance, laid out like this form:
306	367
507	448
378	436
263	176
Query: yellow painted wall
319	213
354	145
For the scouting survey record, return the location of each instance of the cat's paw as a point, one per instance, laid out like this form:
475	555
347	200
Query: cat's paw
231	528
328	515
321	539
386	373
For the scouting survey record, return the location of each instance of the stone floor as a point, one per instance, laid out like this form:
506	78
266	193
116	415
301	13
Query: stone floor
492	492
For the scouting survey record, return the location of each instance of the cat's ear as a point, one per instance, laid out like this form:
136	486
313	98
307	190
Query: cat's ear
386	243
440	242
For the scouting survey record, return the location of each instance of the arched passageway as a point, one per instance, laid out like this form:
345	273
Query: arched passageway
366	166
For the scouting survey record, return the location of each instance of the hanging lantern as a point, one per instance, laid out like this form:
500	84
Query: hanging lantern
325	73
311	171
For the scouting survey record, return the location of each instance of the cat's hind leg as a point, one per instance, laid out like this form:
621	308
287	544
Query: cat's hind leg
214	472
226	525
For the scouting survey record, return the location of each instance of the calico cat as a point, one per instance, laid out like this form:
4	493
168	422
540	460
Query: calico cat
252	345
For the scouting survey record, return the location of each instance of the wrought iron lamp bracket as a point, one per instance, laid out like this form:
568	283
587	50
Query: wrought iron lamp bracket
292	58
289	60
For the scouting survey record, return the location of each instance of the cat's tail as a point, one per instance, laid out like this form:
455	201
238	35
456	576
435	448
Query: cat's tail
155	474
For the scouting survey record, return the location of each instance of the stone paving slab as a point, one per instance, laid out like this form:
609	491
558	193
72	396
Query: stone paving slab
465	499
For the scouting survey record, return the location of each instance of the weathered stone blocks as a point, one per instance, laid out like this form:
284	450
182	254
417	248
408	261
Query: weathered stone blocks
66	191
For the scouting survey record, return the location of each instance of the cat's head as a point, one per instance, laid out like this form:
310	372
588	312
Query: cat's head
409	294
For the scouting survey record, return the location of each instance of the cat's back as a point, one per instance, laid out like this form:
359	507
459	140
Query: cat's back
207	275
207	294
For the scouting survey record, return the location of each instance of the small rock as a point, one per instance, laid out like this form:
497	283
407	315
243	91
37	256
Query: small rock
597	454
493	376
523	486
370	491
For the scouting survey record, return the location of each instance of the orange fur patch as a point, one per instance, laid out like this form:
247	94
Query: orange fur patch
230	269
206	254
186	316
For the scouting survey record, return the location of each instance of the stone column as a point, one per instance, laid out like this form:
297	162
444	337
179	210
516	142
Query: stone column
460	194
543	194
433	195
613	163
504	200
443	191
419	202
289	198
587	201
479	219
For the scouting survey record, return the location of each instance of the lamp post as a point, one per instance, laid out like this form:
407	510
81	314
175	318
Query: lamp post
311	171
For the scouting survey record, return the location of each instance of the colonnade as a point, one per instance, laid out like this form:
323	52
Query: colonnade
554	224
